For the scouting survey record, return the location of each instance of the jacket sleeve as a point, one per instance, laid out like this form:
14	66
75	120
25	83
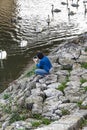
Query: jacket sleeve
38	65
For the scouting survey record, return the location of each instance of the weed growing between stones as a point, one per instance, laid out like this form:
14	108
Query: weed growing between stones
37	116
83	123
31	72
79	104
40	120
83	107
16	114
6	96
86	49
85	88
21	129
63	85
84	65
16	117
44	121
36	124
65	112
7	107
82	80
22	114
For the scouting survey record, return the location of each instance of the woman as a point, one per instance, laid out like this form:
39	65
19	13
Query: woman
43	64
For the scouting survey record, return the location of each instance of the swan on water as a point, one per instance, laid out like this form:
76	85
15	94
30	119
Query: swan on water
70	12
75	4
85	8
3	54
23	43
48	20
85	1
55	10
64	3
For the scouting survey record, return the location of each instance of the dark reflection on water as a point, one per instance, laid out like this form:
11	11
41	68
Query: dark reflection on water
27	20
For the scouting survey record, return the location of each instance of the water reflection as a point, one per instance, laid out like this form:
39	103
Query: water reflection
3	55
27	26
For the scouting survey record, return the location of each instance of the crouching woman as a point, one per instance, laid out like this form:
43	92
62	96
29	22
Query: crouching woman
43	64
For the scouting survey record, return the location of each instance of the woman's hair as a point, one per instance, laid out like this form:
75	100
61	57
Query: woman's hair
40	55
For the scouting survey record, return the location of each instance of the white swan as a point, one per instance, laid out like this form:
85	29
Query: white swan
70	12
75	5
3	55
64	3
84	1
23	43
85	8
48	20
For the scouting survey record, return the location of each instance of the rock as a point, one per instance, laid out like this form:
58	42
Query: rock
5	124
53	92
54	85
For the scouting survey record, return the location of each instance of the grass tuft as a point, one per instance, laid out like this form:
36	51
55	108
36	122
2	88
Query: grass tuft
65	112
6	96
84	65
82	80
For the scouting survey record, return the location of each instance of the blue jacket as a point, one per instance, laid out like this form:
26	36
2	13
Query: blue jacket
45	64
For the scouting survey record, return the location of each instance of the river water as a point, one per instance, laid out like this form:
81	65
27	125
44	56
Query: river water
26	20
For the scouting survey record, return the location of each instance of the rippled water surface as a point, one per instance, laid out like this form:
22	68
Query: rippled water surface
26	20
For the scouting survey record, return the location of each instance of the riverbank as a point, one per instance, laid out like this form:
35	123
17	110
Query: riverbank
57	101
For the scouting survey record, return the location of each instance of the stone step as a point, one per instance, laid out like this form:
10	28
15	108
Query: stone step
68	122
84	128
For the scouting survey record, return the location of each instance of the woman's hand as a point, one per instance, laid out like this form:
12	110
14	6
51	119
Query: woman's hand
35	60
